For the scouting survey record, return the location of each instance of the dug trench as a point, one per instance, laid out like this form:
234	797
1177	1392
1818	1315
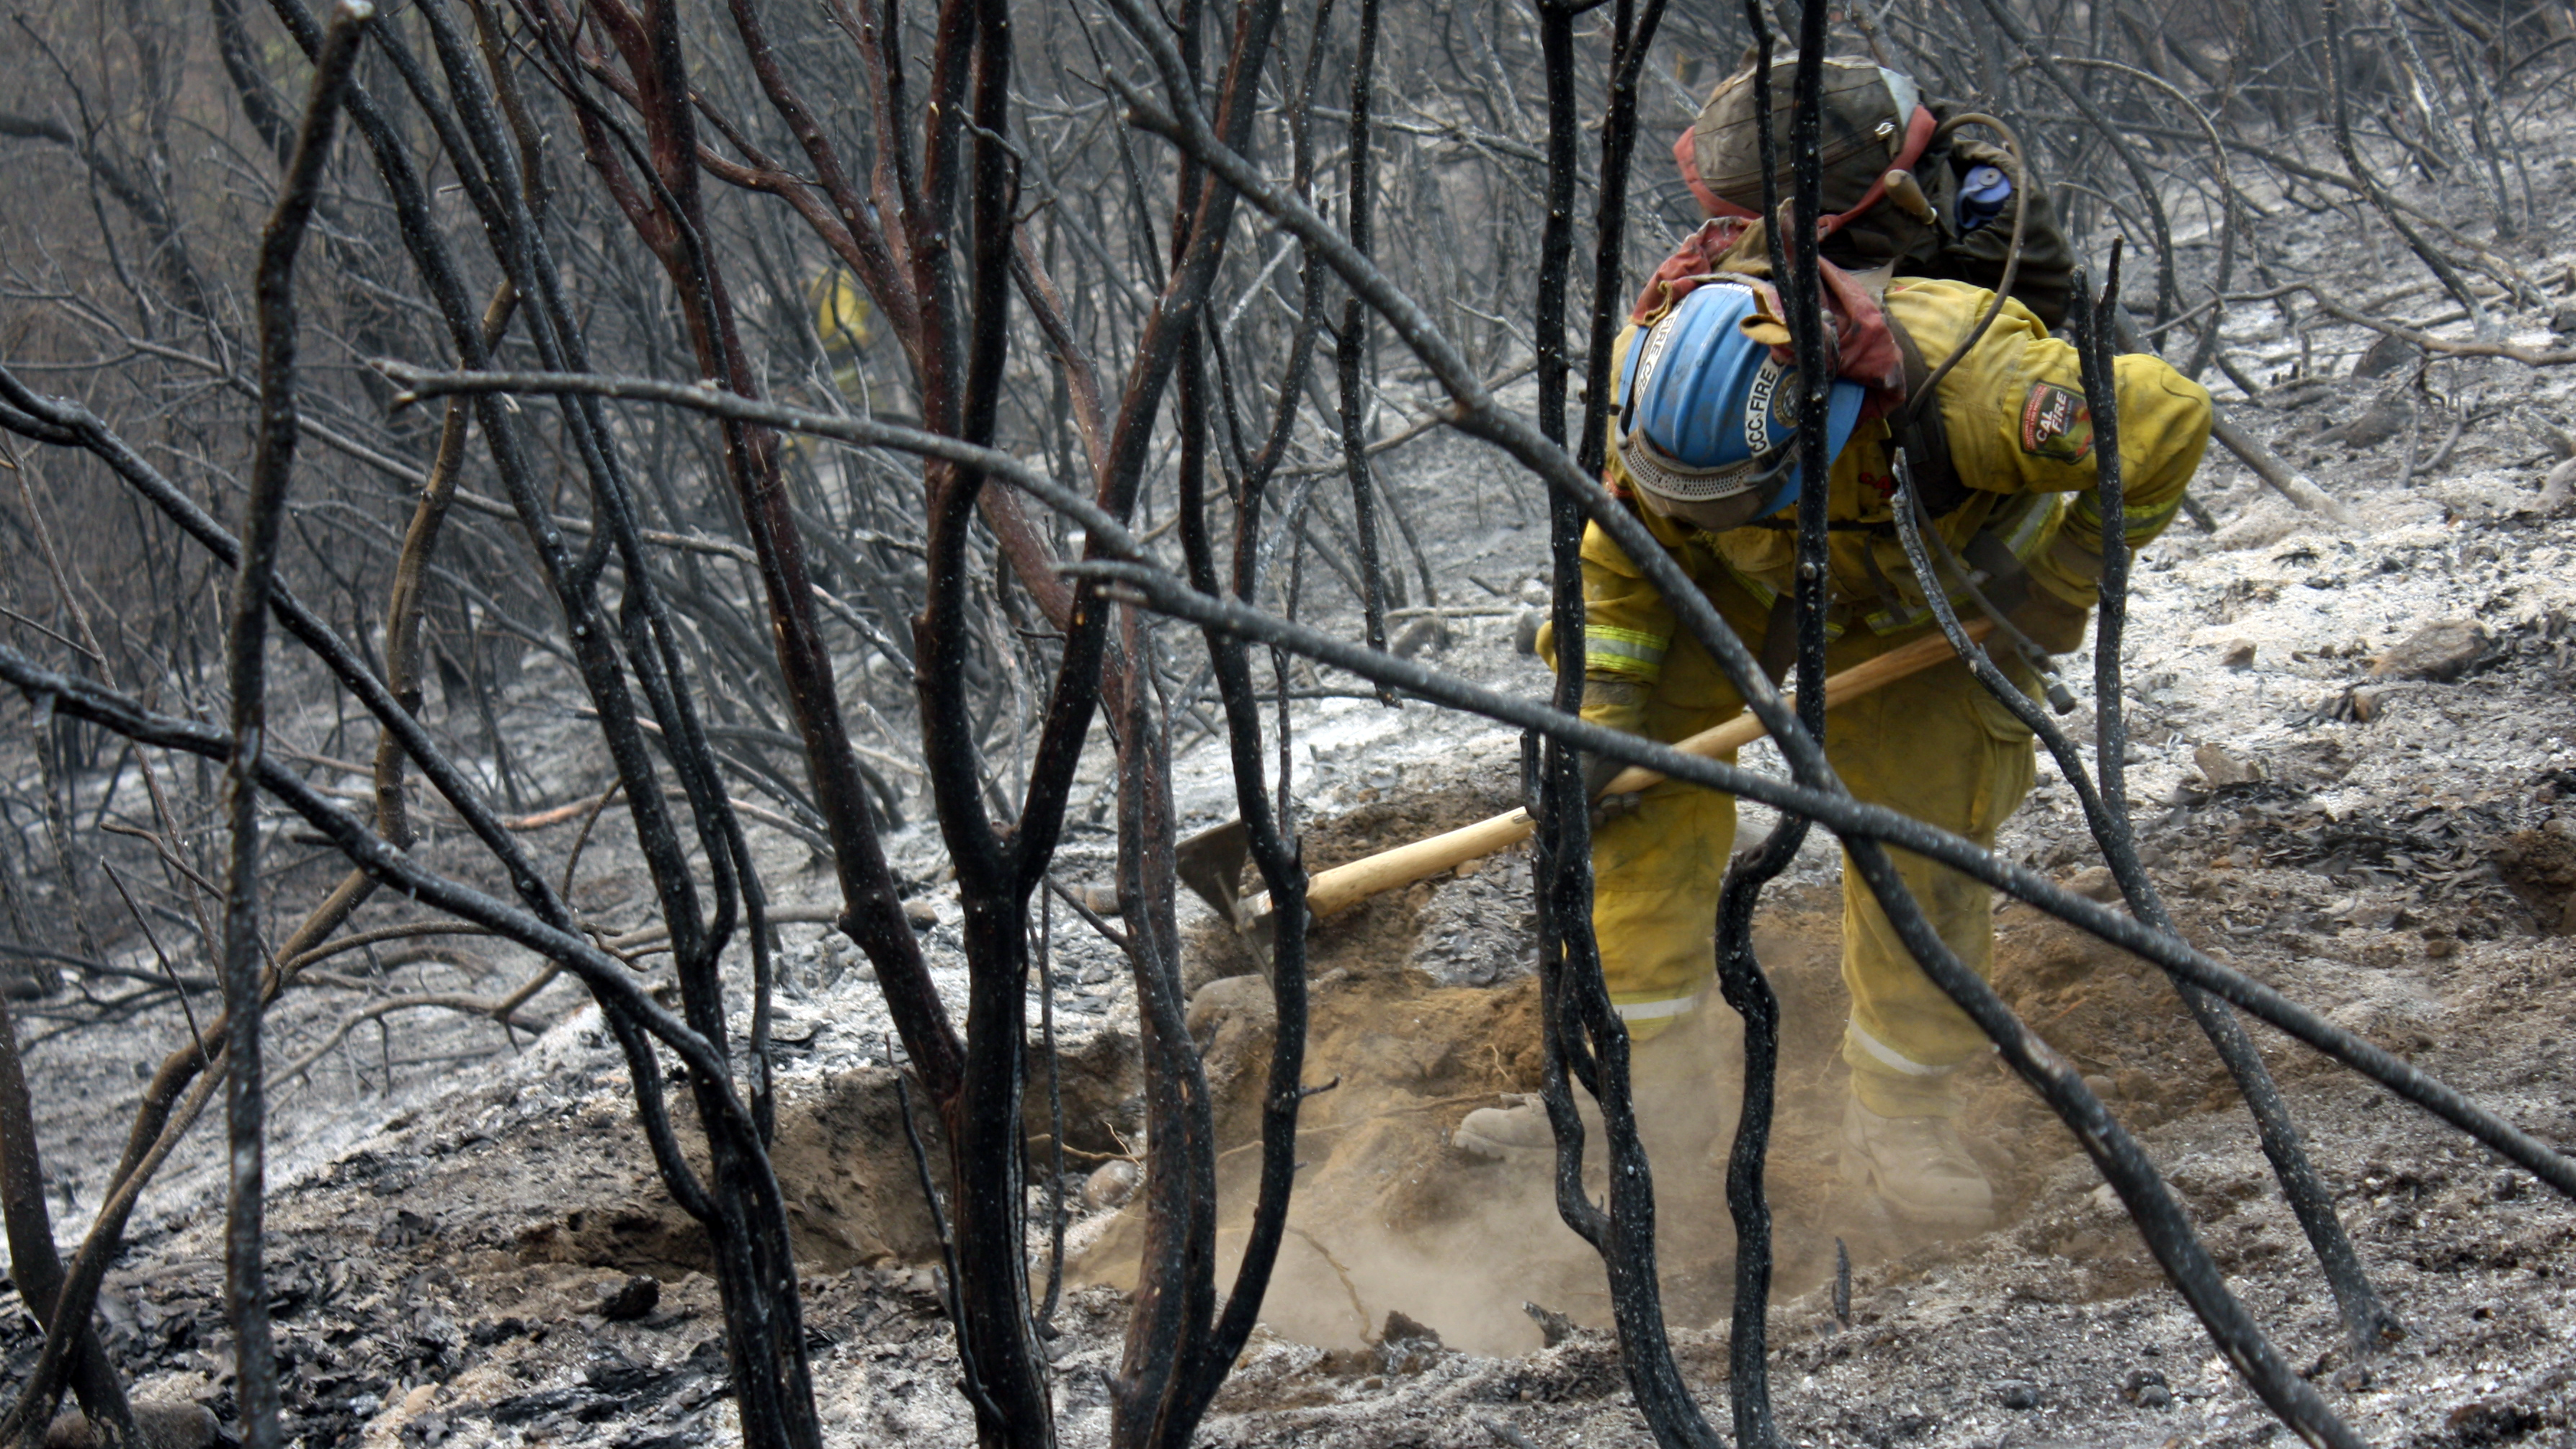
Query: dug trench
1389	1217
1424	1008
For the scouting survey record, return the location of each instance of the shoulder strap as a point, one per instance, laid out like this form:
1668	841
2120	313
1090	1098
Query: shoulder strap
1917	428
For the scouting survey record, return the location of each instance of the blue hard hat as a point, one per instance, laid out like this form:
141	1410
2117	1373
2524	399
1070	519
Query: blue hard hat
1708	420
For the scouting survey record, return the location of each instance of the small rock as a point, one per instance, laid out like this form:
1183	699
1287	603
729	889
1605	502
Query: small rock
1553	1327
2440	948
1408	1346
2101	1086
2555	488
1099	900
630	1301
2014	1394
2221	769
2239	655
1426	635
403	1229
2137	1086
922	914
1403	1328
2147	1389
2383	357
2095	883
1111	1185
2508	1186
1346	1363
2384	419
633	1299
1246	998
2442	650
164	1424
1525	627
2564	319
2491	1421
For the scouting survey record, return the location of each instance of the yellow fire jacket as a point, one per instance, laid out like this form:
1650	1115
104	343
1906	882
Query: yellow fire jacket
2021	439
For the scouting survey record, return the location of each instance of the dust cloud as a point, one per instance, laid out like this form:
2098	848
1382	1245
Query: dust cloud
1390	1217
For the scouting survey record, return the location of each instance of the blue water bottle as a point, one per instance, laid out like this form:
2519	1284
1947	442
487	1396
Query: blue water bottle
1983	193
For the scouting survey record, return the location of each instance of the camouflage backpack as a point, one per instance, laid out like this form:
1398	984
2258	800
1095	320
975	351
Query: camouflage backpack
1945	224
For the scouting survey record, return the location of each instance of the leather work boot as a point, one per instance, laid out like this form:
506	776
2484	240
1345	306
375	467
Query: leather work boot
1918	1167
1686	1091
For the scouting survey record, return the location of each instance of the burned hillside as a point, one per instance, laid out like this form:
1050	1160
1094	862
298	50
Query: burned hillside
847	724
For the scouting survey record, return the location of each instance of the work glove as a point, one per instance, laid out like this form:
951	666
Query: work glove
1620	705
2050	622
1598	772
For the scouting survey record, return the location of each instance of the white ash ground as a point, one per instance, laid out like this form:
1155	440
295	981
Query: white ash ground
419	1306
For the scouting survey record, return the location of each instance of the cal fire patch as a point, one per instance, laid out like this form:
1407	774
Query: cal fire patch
2055	423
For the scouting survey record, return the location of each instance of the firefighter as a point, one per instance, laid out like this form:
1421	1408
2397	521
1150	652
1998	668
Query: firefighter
1702	446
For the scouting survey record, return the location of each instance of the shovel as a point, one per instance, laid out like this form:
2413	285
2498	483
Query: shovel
1211	862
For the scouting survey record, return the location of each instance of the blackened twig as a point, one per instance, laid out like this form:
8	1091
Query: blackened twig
1055	1116
246	642
2111	830
1350	352
1740	978
34	1262
2083	101
971	1382
2330	17
2367	1321
1269	833
2206	348
1586	1040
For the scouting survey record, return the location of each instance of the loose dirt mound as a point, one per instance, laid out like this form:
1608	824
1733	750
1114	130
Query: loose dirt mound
1424	1010
853	1192
1389	1216
2540	865
844	1163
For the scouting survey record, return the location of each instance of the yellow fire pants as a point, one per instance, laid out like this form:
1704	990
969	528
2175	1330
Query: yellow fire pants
1933	745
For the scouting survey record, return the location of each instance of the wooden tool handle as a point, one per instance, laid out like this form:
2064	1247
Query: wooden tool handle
1345	886
1852	683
